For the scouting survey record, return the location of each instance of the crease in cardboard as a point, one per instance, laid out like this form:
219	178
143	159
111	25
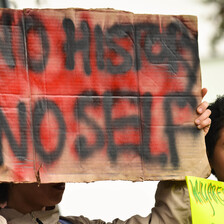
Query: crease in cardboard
35	170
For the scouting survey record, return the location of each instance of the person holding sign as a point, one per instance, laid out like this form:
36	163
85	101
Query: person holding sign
36	203
206	195
215	138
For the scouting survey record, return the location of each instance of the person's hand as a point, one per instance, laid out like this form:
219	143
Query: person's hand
203	121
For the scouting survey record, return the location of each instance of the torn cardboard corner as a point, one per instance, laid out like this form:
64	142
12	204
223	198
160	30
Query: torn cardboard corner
89	95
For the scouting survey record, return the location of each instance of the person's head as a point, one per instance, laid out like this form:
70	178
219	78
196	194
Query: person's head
28	197
215	138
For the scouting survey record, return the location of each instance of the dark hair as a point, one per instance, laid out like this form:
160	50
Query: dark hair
217	118
4	192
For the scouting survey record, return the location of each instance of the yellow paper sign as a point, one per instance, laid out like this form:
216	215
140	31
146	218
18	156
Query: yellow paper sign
206	199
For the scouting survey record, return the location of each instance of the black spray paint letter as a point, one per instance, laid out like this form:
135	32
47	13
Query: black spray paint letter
81	145
72	46
6	40
41	108
20	150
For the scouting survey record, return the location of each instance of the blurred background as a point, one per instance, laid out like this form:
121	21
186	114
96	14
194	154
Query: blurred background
111	199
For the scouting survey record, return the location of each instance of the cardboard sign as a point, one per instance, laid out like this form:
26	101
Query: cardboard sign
91	95
207	200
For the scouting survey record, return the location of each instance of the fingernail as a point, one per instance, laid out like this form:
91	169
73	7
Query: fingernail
197	121
199	110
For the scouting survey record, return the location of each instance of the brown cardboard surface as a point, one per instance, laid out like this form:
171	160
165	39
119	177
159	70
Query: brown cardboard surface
90	95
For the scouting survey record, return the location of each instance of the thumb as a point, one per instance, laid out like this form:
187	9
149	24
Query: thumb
203	92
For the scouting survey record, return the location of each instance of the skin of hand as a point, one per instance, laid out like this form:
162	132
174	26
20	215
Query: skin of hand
203	121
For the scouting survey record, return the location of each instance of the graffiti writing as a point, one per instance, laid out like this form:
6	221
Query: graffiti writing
207	193
135	121
94	89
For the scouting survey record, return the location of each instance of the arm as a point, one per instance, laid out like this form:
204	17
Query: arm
172	203
172	207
